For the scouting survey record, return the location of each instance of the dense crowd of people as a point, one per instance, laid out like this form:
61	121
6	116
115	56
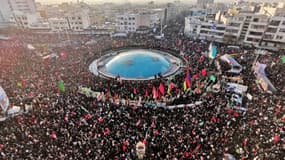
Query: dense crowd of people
69	125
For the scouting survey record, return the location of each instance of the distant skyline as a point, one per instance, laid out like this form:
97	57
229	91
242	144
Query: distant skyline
142	1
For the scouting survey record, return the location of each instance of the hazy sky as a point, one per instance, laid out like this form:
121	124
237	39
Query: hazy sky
141	1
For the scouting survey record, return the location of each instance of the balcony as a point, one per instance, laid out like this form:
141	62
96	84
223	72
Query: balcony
271	30
274	23
268	37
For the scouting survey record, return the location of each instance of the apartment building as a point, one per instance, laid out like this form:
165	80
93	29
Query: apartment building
252	29
274	36
73	21
7	7
206	30
130	22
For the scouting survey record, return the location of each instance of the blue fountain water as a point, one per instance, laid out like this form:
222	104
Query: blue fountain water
138	64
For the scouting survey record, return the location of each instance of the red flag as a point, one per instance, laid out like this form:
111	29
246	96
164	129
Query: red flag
186	154
24	82
146	93
1	147
244	142
152	124
236	114
47	62
53	135
100	120
161	89
214	119
283	118
154	93
66	118
277	111
156	132
144	141
106	131
204	72
202	58
196	76
124	148
251	122
116	96
87	116
135	91
276	138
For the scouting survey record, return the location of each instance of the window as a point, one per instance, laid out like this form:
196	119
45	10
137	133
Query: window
255	19
255	33
279	37
274	23
282	30
240	18
271	30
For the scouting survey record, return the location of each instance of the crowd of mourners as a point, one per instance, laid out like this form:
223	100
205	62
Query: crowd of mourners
69	125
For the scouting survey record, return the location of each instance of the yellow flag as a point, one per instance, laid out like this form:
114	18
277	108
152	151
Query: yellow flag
184	86
19	84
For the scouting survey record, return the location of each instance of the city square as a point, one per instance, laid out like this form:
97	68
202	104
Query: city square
149	81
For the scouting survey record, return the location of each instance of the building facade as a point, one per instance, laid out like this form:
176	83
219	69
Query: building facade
274	36
206	30
72	21
252	29
130	22
7	8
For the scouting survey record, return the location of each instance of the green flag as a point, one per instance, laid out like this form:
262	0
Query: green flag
61	86
283	59
213	78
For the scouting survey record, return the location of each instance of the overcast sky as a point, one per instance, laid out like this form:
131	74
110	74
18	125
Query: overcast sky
141	1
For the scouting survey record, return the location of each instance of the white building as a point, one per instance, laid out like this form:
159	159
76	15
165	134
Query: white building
23	20
207	30
58	24
274	36
78	21
25	6
130	22
74	21
246	28
7	7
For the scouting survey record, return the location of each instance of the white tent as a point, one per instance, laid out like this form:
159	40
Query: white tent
4	101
